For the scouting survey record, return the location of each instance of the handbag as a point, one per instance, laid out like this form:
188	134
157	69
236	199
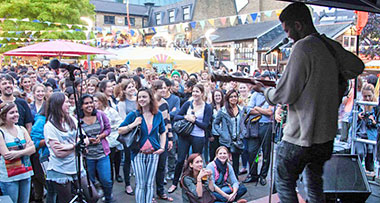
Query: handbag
132	138
207	196
184	127
237	146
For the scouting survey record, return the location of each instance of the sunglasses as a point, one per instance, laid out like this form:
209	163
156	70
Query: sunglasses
19	144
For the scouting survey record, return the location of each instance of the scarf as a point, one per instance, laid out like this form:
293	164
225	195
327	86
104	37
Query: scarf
222	168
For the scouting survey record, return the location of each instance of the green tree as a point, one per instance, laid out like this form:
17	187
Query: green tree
370	36
39	11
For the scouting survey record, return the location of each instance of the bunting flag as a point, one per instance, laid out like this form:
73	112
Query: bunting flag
243	18
212	22
193	24
268	13
178	27
362	19
223	20
232	20
202	23
278	12
253	16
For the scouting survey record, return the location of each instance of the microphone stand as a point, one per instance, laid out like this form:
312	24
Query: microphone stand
79	149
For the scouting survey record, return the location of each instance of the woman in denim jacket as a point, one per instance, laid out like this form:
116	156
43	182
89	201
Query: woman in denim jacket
227	125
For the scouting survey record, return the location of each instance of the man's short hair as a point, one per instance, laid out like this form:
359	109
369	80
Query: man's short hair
7	77
296	12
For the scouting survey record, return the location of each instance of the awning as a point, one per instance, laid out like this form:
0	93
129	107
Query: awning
359	5
373	65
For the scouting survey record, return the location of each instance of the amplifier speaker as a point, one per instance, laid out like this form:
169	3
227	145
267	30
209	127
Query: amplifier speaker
344	180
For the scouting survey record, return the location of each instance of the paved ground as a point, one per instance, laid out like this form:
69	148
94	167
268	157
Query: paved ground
254	192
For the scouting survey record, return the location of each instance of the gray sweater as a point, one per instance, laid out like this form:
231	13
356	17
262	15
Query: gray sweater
310	86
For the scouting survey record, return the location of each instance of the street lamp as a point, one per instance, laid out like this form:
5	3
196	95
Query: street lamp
89	28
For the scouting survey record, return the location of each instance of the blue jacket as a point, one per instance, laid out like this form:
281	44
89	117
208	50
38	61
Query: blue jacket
207	114
158	128
37	134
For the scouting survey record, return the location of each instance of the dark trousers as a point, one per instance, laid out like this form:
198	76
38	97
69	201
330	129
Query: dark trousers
227	189
38	179
184	144
291	161
63	193
245	154
254	144
213	146
127	165
115	159
160	174
172	156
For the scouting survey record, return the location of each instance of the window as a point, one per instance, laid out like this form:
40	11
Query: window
349	41
109	20
158	19
132	20
171	16
244	51
186	13
271	59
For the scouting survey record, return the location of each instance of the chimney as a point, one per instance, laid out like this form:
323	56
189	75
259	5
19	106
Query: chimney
149	6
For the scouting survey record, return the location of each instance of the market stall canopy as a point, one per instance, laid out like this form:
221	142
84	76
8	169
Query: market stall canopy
60	48
359	5
164	59
373	65
13	53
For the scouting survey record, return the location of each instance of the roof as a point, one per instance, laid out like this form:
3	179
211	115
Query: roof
119	8
156	2
178	12
243	32
276	35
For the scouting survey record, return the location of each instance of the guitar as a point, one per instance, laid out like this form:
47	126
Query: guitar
229	78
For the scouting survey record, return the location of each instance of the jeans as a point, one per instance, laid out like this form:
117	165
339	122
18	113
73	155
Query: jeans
115	160
160	174
241	191
127	165
19	191
245	154
63	193
291	161
254	144
38	179
172	158
102	167
184	144
213	146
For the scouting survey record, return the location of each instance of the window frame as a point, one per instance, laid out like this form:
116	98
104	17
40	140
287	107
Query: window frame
107	21
158	20
272	59
132	19
171	11
186	14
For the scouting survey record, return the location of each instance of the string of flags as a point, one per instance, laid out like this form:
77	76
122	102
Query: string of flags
244	18
2	45
44	22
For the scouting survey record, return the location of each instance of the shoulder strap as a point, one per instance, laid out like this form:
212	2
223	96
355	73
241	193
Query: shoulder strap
328	46
1	131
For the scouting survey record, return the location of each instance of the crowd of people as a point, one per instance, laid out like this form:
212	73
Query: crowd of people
231	132
39	121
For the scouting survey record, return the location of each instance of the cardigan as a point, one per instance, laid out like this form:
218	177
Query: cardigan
207	114
158	127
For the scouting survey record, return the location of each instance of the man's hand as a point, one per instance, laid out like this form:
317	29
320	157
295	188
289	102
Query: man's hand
258	86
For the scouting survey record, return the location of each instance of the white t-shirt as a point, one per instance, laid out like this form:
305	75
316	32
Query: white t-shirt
65	165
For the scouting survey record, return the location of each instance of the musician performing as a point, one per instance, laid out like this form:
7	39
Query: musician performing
312	86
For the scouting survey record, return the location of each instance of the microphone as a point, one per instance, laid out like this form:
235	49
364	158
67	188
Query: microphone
283	42
55	64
